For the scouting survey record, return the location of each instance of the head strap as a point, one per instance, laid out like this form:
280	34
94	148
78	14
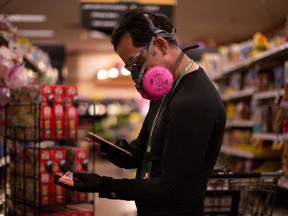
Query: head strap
159	32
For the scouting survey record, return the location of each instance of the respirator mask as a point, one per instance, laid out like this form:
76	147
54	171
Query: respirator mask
158	80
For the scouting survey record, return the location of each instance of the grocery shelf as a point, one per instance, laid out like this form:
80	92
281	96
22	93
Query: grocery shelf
240	123
28	63
239	94
249	154
270	136
272	52
268	94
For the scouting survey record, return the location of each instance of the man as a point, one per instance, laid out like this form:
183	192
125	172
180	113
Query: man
180	138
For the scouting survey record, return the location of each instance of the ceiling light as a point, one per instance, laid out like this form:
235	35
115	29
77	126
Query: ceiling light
27	18
125	72
113	73
37	33
97	35
102	74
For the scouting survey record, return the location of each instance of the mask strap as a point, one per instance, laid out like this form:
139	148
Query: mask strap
190	47
141	74
179	60
159	32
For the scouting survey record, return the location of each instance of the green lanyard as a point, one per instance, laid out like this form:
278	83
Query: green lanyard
163	106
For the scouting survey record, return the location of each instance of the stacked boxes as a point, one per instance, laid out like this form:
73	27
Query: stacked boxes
71	112
33	171
77	161
40	167
43	112
53	105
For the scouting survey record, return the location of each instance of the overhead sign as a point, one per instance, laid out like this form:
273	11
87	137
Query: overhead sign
105	15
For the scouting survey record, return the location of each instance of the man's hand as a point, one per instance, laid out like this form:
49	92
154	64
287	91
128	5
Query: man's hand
114	155
83	182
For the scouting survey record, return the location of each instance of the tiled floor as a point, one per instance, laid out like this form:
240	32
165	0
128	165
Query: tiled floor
106	207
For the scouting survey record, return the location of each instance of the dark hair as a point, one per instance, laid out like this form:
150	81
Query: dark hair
135	22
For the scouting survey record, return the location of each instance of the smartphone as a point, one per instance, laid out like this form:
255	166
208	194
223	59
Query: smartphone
99	140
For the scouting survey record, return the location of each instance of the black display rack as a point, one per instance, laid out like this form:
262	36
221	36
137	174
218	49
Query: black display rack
29	177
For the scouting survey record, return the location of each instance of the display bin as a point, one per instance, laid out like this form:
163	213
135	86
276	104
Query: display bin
35	157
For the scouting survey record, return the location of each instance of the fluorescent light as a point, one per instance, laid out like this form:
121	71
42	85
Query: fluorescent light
113	73
102	74
39	18
97	35
125	72
46	33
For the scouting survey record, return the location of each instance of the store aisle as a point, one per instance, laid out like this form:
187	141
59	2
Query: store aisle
106	207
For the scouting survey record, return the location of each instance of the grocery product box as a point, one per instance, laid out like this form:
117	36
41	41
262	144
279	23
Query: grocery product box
39	164
59	167
70	94
77	161
47	123
47	93
58	156
76	158
59	94
58	113
76	197
58	125
71	121
39	193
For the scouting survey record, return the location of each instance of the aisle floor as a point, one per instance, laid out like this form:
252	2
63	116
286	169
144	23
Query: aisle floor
106	207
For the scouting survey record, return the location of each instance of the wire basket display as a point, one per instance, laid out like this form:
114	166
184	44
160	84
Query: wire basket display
231	193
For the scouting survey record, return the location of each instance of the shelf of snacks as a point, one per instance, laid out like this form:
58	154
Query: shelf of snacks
269	136
251	78
238	94
268	94
244	63
250	152
241	123
21	63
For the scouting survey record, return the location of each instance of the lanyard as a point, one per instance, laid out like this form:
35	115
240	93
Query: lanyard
163	106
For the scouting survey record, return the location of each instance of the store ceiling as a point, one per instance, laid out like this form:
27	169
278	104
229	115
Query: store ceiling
225	21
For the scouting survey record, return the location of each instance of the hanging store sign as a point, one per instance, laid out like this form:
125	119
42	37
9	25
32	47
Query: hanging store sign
105	15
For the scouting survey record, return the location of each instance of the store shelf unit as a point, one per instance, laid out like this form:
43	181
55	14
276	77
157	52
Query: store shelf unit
34	141
252	90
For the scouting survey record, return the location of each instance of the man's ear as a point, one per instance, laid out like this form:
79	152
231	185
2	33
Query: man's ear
161	44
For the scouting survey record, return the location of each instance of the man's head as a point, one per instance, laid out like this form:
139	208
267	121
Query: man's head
136	23
144	41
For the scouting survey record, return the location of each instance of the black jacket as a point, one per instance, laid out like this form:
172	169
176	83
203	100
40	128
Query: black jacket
185	146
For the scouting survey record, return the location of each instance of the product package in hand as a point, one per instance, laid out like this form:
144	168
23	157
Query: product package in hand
67	179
